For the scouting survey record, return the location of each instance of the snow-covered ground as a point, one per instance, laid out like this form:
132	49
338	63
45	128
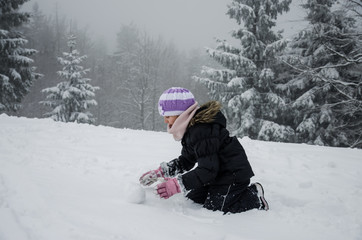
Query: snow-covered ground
74	181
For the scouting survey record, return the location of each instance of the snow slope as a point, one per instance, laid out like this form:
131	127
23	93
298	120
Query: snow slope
71	181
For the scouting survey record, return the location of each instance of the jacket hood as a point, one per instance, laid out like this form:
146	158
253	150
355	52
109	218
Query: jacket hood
209	113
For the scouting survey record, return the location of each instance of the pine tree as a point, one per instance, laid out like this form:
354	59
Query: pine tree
71	98
16	73
326	77
246	84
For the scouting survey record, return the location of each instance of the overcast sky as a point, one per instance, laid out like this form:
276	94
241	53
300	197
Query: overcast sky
188	23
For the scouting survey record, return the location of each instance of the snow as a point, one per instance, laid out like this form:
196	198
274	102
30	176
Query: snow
330	73
249	95
77	181
270	130
135	193
236	82
15	74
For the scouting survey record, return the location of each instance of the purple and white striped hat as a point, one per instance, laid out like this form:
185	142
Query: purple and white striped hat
175	101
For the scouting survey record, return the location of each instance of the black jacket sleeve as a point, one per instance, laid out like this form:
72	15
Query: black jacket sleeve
206	153
179	165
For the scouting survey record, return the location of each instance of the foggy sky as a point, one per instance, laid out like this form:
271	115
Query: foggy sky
188	23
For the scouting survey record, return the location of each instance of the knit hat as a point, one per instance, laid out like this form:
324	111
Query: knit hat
175	101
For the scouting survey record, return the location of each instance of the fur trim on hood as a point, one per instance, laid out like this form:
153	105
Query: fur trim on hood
206	113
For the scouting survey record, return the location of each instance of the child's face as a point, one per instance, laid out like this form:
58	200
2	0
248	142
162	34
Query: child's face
170	120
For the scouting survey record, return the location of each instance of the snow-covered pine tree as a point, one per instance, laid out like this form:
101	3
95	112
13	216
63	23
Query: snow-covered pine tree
246	83
71	98
16	73
326	77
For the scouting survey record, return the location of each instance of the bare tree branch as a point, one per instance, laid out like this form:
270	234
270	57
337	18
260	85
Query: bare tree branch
356	60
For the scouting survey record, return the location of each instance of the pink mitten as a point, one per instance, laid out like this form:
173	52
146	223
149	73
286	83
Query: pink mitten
168	188
151	176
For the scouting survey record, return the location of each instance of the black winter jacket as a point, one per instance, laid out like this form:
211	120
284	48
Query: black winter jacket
221	160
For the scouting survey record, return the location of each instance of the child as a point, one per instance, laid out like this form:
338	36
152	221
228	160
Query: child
221	178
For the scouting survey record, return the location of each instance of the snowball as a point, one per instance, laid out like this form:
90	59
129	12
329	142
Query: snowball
135	193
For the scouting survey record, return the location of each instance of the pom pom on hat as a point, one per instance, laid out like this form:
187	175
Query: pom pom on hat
175	101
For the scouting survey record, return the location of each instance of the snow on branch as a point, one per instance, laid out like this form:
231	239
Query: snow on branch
273	131
231	60
276	100
306	100
238	11
4	79
223	75
275	47
237	82
223	45
215	87
20	59
295	83
3	32
15	74
356	59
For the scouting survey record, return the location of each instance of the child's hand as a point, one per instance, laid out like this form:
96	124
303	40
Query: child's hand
168	188
150	177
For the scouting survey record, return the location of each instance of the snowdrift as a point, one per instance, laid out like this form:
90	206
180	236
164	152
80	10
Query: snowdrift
74	181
